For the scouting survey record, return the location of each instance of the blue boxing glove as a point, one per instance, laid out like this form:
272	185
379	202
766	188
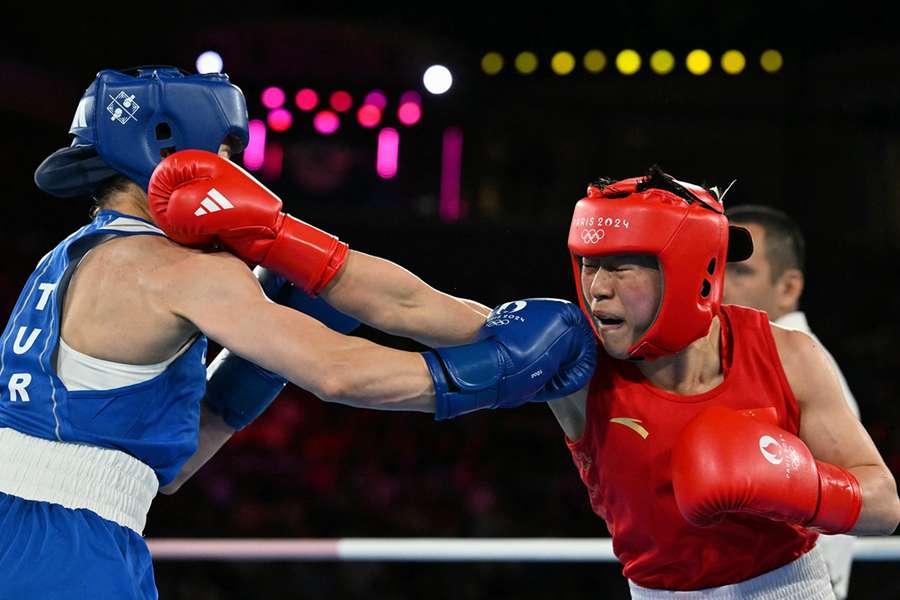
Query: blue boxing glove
531	350
237	389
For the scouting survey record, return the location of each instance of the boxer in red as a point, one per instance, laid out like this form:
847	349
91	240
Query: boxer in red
714	444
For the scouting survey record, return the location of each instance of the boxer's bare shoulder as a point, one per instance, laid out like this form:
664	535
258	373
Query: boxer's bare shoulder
116	305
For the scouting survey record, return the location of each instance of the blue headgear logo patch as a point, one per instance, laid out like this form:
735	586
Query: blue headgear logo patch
123	108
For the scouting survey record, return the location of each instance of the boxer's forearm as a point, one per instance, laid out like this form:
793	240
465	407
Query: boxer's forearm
372	376
880	506
214	432
392	299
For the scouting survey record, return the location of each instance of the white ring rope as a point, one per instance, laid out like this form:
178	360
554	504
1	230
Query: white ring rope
432	549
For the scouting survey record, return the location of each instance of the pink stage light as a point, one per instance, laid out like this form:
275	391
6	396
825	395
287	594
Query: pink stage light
450	208
273	97
411	97
306	99
341	101
368	115
254	153
326	122
409	113
376	98
280	119
273	161
388	151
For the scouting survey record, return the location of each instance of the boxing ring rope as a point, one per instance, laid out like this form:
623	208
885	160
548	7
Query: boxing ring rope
872	549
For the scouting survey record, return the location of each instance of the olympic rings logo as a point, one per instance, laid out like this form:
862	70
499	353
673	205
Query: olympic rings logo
592	236
497	322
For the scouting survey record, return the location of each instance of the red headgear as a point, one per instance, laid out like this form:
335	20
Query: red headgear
685	227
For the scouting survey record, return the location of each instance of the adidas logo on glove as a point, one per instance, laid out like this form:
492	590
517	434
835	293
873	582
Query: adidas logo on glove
214	202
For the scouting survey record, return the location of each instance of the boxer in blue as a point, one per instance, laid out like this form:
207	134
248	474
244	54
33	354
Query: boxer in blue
103	389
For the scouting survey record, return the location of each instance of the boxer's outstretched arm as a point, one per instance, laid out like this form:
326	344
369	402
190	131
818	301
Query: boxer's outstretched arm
373	290
222	298
832	432
388	297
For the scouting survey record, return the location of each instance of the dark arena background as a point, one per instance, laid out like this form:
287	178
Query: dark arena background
472	189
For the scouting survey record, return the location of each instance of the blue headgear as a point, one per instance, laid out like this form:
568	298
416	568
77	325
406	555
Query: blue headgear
126	123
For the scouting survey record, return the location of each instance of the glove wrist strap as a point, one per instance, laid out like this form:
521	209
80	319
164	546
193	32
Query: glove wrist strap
306	255
840	500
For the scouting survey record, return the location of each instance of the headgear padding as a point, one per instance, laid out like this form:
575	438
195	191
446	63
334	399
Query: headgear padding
126	123
686	231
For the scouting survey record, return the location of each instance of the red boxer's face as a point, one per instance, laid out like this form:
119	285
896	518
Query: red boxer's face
623	292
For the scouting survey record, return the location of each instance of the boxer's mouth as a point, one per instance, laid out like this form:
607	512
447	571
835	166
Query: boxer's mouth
608	321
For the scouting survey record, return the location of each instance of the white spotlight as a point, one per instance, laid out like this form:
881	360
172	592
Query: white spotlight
209	62
437	79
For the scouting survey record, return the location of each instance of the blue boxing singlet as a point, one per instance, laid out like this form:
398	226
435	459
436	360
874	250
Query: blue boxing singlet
79	468
155	421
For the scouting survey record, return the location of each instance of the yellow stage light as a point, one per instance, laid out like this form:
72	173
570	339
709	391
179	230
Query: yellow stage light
662	62
628	62
492	63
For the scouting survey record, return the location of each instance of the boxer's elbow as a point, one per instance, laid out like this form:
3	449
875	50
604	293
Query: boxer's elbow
880	513
333	382
892	514
891	517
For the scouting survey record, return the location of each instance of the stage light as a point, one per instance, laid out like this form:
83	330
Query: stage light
526	63
306	99
628	62
562	63
492	63
376	98
388	152
450	207
209	62
254	153
326	122
594	61
771	61
409	113
272	97
368	115
733	62
437	79
341	101
662	62
698	62
410	96
280	119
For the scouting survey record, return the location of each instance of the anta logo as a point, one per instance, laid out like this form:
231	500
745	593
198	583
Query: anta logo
770	449
214	202
632	424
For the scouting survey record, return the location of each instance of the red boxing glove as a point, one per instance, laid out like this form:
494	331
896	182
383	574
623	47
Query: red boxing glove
727	462
199	198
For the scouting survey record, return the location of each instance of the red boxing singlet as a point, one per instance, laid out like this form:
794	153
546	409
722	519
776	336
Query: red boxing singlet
624	458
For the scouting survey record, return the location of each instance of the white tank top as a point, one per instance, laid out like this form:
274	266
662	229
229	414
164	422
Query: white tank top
78	371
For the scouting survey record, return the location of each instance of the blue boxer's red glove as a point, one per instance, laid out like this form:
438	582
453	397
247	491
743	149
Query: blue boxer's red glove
239	390
531	350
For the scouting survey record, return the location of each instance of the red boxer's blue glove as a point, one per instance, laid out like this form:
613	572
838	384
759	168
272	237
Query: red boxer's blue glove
531	350
239	390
